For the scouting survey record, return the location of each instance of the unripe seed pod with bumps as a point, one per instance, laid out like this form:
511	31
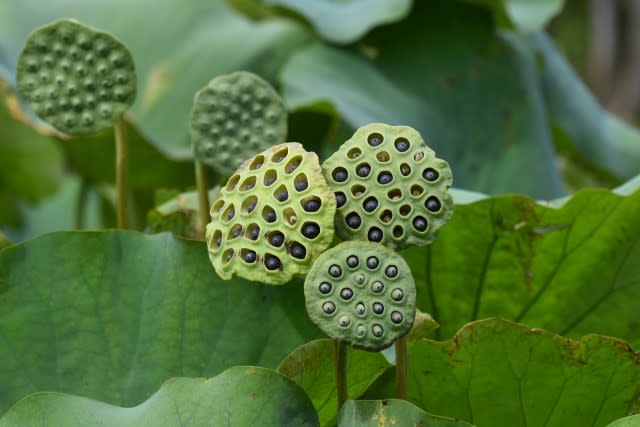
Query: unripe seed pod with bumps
361	293
389	186
234	117
62	67
267	227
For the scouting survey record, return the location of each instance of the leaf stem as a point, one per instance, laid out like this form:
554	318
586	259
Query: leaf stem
121	174
402	356
340	349
202	182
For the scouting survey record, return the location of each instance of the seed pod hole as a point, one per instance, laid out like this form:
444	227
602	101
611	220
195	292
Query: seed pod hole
228	214
363	170
297	250
372	263
335	271
401	144
270	177
329	307
227	255
217	206
420	223
249	256
395	194
398	231
375	139
405	210
269	215
300	182
360	279
293	164
353	220
391	271
385	177
249	204
253	232
257	162
216	241
405	169
280	155
430	174
416	190
234	232
396	317
325	288
375	234
354	153
370	204
248	184
310	230
358	190
281	193
344	321
383	157
290	216
377	331
276	238
341	199
352	261
340	174
360	309
397	294
311	204
272	262
432	203
346	294
386	216
418	156
377	308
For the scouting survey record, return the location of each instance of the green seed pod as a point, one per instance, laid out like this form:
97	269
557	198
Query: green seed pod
361	293
78	79
234	117
389	186
273	217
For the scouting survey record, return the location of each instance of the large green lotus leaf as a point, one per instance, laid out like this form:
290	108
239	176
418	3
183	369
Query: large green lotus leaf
347	21
111	315
571	270
312	367
177	48
385	413
238	397
31	165
632	421
471	92
496	373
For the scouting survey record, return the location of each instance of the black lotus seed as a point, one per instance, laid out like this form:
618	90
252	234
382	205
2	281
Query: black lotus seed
385	177
251	207
433	204
340	175
269	180
344	321
377	308
353	220
312	205
372	262
218	240
341	199
360	279
363	170
375	139
310	230
335	270
301	185
377	287
325	288
375	234
370	204
272	262
396	317
391	271
230	214
298	251
352	261
236	232
377	330
276	239
402	145
255	233
420	223
328	307
283	196
250	257
270	216
346	294
249	186
430	174
397	294
360	309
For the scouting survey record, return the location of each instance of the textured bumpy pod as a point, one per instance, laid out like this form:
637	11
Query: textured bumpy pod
234	117
361	293
389	186
76	78
273	217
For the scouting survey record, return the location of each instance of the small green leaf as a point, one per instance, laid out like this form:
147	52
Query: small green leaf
632	421
312	367
386	413
238	397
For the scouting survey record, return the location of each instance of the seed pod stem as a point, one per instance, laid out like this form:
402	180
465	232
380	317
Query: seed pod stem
340	349
202	182
401	367
122	190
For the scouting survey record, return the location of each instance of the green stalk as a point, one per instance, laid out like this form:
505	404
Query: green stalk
340	357
121	174
401	368
202	182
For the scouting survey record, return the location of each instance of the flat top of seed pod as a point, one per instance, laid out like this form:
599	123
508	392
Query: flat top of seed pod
273	217
361	293
390	187
78	79
234	117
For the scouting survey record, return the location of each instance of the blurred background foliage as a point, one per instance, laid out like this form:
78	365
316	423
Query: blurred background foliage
520	96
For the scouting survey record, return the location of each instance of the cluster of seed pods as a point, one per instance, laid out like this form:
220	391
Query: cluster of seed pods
361	293
389	186
76	78
234	117
273	217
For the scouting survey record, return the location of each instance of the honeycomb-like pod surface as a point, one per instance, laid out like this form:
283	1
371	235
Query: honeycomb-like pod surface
273	217
361	293
78	79
390	187
234	117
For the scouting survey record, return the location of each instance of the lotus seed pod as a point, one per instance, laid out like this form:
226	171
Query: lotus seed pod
361	293
78	79
234	117
273	218
389	186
